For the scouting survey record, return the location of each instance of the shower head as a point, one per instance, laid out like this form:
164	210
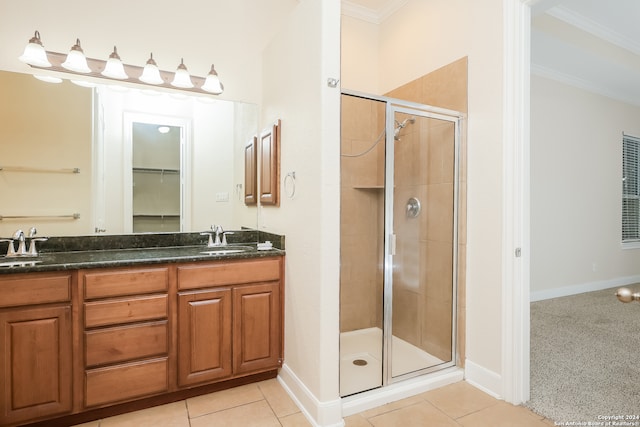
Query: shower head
400	126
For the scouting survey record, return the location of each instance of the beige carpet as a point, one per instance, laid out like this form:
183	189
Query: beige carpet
585	357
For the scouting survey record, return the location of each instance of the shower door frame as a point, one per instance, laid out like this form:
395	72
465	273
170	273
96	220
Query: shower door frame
393	105
424	111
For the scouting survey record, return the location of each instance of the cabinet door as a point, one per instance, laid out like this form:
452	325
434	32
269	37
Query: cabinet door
204	336
36	363
256	327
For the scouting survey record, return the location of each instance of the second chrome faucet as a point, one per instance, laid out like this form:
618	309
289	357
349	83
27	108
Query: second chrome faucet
22	250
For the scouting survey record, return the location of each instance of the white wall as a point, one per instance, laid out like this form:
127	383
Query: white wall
296	65
576	161
416	40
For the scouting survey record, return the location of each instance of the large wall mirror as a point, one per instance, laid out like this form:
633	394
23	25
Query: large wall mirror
111	160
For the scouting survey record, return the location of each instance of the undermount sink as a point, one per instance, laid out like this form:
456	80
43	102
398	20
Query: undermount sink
18	263
224	250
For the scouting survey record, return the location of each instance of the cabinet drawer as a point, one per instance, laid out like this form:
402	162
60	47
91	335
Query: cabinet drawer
125	343
126	382
113	283
226	273
35	289
113	312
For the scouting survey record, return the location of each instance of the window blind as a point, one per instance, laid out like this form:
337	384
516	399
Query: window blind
630	190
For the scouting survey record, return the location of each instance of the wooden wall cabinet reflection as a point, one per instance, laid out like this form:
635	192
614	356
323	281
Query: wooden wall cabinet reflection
250	172
262	160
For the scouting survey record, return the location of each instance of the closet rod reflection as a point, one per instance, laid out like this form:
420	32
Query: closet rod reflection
71	216
28	169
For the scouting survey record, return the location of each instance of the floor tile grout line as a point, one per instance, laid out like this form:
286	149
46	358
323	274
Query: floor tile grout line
271	407
224	409
186	407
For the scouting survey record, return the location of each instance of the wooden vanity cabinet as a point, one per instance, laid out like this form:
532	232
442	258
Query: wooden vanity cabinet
229	319
84	340
126	334
36	353
204	336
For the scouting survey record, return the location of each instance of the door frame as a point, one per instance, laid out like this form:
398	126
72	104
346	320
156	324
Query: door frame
516	255
184	124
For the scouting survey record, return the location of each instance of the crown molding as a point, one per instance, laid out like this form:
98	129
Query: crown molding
374	16
594	28
570	80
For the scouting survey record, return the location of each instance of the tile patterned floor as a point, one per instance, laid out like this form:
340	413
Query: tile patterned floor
266	404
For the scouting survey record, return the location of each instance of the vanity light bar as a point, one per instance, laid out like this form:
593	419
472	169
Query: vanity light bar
97	68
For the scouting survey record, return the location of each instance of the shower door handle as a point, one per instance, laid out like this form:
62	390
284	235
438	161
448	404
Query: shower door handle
392	244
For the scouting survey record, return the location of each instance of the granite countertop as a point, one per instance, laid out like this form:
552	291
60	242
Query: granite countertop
115	251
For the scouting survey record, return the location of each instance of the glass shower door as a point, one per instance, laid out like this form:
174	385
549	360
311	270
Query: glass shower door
420	195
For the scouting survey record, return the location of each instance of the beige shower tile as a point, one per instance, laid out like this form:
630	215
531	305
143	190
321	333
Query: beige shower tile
462	213
170	415
358	117
440	211
436	271
224	399
257	414
355	213
405	314
411	91
462	276
441	154
461	334
280	402
446	87
459	399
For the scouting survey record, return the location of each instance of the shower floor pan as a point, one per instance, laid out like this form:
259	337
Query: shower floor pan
361	359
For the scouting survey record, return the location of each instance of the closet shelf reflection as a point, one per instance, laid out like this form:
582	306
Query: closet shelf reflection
156	170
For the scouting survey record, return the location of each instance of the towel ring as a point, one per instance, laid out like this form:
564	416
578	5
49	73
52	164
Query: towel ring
290	184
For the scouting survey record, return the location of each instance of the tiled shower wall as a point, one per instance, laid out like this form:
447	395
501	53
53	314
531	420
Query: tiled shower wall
361	214
421	311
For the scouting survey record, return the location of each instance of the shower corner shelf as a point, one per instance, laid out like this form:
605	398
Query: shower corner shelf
368	187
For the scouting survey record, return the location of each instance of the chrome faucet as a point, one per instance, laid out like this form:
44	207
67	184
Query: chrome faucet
219	231
22	244
33	251
22	247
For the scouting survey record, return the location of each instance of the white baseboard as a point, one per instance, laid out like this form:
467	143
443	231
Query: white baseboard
407	388
483	379
582	288
319	414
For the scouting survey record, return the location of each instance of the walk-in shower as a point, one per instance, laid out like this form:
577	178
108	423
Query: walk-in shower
399	205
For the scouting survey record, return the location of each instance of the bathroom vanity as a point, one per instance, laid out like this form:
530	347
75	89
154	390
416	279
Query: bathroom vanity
91	333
